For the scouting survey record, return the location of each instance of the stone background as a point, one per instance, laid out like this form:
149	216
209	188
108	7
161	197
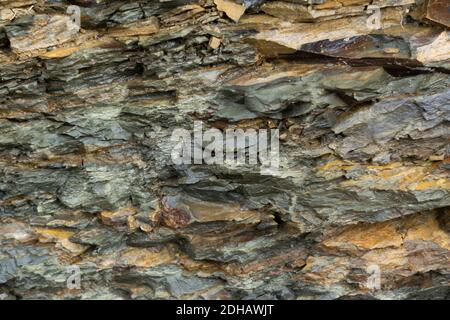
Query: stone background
86	177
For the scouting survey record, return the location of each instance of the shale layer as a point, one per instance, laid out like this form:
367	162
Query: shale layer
359	90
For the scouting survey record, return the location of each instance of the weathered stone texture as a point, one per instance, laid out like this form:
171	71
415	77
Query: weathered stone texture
86	177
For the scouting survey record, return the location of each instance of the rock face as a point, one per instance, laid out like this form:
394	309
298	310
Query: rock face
359	90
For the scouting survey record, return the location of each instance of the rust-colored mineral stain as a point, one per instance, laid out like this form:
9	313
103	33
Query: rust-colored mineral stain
173	217
439	11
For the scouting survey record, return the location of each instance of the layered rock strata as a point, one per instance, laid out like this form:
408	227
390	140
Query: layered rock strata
359	90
